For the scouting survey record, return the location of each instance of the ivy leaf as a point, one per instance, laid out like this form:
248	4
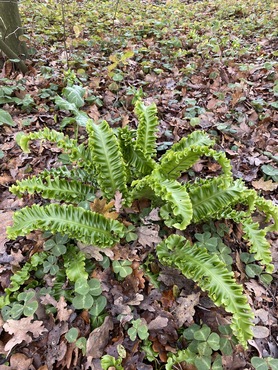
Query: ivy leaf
63	104
226	347
270	171
81	343
203	363
213	341
30	308
16	311
259	363
6	118
74	94
82	119
204	349
132	332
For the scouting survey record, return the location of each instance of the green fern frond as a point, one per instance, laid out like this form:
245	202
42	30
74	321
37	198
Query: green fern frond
256	239
77	153
195	139
64	172
174	162
53	136
134	158
212	198
177	208
53	188
177	211
212	276
147	127
108	159
85	226
270	210
75	264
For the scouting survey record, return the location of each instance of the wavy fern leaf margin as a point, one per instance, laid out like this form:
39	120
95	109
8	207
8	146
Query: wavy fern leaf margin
147	127
53	188
213	277
78	223
108	159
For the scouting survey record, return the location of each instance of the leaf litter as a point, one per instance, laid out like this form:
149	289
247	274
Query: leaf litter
193	61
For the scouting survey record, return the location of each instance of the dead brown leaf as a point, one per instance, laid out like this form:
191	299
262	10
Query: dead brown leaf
63	313
118	201
19	361
185	310
264	185
260	332
158	323
100	206
99	338
148	235
5	220
22	330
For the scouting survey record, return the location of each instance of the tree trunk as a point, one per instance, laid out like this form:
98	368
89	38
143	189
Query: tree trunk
11	30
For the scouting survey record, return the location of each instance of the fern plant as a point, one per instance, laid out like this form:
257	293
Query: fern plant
126	163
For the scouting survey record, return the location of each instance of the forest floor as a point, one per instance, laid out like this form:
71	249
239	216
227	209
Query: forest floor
206	65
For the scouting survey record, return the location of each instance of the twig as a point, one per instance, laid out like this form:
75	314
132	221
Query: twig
114	18
64	32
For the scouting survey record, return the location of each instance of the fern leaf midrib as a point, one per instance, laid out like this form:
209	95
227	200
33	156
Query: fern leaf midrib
217	194
67	221
213	277
107	160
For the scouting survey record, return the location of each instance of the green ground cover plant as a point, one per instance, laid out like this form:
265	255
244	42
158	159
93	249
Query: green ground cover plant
123	166
211	69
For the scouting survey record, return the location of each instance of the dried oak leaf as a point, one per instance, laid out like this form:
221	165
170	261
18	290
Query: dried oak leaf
100	206
94	252
63	313
22	330
148	235
185	310
264	185
118	201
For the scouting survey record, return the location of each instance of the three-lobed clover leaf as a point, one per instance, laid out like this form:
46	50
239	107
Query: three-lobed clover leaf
85	291
122	268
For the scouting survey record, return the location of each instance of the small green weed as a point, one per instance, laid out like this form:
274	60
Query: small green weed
139	328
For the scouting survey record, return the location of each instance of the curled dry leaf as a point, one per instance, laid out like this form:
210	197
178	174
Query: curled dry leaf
99	338
5	220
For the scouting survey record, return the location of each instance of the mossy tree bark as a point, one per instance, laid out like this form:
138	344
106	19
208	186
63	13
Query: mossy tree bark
11	30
